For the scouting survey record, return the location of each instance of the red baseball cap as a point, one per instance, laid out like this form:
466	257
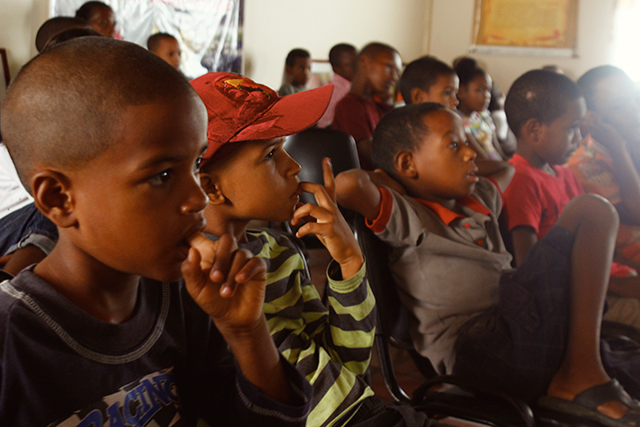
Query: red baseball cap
239	109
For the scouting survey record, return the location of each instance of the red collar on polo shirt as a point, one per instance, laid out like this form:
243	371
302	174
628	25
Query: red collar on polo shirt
447	215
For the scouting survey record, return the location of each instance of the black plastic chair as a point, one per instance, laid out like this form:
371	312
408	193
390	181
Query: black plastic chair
308	148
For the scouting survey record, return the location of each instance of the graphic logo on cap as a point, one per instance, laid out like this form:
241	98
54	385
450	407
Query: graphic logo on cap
244	85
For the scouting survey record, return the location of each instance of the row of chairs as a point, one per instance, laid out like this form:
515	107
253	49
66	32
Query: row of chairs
438	396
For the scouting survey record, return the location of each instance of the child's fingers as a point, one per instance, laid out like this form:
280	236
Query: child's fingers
205	248
319	192
223	258
254	269
329	182
238	260
312	213
192	273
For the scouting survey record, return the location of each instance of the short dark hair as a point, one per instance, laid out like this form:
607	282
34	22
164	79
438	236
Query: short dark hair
56	25
70	34
295	54
87	10
64	107
373	49
154	40
422	73
467	69
336	52
540	95
591	78
401	129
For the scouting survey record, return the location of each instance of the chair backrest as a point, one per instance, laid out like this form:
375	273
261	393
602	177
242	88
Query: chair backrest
309	147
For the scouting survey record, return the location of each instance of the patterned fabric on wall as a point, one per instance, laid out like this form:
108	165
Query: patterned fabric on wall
209	31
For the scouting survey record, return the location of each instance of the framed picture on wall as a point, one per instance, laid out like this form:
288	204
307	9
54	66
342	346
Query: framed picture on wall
526	27
5	77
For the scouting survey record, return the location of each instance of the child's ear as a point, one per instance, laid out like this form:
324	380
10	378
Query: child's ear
53	196
531	130
418	96
211	186
404	164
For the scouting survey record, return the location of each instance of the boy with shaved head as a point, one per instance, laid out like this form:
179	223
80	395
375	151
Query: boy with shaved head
96	334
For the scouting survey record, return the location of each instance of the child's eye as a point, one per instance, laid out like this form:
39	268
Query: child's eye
271	154
160	178
197	164
454	145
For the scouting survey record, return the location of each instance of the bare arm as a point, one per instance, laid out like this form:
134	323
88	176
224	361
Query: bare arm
499	171
357	190
523	239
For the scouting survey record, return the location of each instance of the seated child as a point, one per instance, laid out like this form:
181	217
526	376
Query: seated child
166	47
96	334
248	176
297	72
56	25
377	71
474	96
545	110
608	159
427	79
99	16
531	332
342	58
506	138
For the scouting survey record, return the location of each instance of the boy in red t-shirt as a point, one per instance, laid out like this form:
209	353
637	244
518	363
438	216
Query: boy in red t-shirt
545	111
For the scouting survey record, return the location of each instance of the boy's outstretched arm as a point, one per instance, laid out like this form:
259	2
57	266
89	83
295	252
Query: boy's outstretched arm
357	189
499	171
229	285
328	224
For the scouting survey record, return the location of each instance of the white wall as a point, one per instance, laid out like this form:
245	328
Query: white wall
19	23
415	27
273	27
451	29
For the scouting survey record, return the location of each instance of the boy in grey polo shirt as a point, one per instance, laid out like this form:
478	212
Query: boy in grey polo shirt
533	331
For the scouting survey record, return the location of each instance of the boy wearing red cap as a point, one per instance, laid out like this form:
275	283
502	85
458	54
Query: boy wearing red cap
257	180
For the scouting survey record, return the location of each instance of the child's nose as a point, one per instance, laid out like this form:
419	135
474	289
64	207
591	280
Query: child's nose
469	154
294	167
197	199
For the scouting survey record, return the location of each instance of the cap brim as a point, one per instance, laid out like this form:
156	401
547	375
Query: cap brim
291	114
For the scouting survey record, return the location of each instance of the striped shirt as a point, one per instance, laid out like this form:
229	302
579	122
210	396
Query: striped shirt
330	347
